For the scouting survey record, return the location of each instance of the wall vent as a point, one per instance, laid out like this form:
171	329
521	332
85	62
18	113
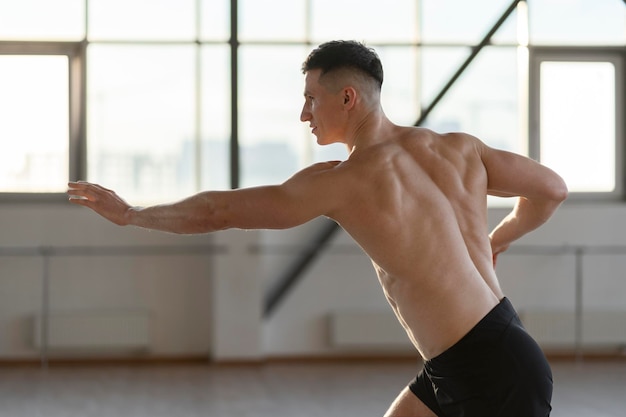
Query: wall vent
367	330
100	331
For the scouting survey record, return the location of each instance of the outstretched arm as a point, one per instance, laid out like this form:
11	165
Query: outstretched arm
540	192
200	213
298	200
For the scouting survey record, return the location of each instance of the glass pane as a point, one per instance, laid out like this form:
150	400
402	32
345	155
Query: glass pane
34	123
141	120
438	66
273	142
578	123
215	19
590	22
141	19
272	20
508	33
42	20
484	101
400	92
215	118
364	20
460	21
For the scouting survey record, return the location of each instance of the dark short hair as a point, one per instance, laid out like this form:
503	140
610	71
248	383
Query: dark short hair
334	55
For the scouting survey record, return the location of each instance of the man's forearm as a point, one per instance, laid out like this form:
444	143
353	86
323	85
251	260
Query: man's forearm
193	215
526	216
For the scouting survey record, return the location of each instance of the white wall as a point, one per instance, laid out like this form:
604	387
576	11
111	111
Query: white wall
540	280
532	276
173	289
210	303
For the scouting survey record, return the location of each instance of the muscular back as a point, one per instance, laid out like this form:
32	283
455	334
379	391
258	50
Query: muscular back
417	206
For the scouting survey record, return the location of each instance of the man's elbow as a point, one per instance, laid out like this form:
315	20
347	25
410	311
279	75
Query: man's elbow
552	198
559	191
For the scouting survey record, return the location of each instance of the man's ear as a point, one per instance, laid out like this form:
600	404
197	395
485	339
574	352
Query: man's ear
349	97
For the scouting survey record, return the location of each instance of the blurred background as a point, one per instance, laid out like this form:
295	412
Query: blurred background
159	99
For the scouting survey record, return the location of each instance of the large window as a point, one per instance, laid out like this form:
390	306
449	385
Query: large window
576	111
158	94
41	20
141	119
39	96
162	98
34	156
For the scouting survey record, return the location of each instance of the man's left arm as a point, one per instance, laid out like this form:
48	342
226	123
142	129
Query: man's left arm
540	192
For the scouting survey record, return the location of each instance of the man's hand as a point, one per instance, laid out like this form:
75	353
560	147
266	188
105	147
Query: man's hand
103	201
496	250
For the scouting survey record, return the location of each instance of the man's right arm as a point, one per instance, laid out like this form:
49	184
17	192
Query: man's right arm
540	192
301	198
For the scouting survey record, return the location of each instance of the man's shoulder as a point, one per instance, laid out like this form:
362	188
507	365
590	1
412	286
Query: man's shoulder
453	137
325	165
319	167
420	135
316	173
422	141
461	142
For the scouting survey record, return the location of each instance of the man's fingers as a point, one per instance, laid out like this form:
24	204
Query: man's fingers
80	191
78	184
74	187
81	201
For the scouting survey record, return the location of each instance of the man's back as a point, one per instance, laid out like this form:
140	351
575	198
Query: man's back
417	205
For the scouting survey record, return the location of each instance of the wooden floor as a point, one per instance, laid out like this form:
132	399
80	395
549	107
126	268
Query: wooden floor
314	389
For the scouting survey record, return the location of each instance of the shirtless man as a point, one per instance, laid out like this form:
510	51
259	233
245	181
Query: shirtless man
415	201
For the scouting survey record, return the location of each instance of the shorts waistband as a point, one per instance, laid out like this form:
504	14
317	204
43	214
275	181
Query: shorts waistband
484	334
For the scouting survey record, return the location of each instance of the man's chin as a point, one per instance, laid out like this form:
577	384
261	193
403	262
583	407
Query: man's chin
322	142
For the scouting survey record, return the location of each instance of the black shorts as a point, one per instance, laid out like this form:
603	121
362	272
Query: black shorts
496	369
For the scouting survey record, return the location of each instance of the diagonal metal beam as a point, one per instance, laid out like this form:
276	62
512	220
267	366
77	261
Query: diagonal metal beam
295	272
475	51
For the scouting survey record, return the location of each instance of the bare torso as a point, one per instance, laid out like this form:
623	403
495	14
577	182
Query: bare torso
417	206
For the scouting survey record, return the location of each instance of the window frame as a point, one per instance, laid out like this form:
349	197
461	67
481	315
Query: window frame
614	55
75	52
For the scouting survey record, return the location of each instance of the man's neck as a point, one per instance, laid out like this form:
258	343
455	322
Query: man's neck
373	129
